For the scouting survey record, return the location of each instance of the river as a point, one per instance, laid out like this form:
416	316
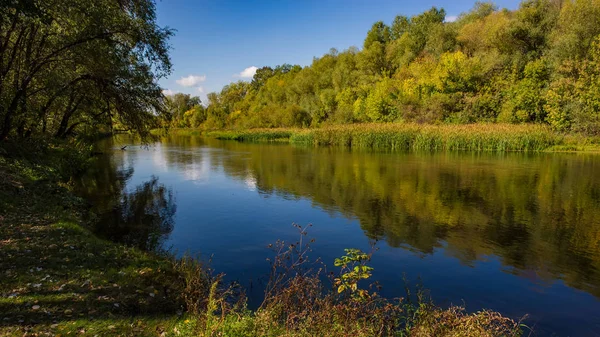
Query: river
514	232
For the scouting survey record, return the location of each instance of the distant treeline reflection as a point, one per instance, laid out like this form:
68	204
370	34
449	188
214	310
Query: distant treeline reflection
539	213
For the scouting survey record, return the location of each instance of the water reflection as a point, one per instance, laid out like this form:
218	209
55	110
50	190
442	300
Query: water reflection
142	217
499	231
539	213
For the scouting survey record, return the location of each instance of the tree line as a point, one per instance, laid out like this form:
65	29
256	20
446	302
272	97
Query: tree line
539	63
73	66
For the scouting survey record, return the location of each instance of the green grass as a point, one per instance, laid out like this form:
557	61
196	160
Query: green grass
58	277
255	135
416	137
577	143
475	137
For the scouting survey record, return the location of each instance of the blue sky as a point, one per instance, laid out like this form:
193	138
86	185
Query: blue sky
217	40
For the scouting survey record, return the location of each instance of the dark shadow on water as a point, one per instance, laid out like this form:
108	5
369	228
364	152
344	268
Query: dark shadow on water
142	218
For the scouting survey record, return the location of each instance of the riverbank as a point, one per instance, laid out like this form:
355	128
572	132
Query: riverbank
60	278
57	277
403	137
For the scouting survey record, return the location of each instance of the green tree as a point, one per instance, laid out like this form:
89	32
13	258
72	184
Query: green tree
400	26
526	99
578	25
177	105
573	99
532	25
380	103
78	64
380	32
422	25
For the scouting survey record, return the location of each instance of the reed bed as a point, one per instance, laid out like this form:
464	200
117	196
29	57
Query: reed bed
473	137
412	137
254	135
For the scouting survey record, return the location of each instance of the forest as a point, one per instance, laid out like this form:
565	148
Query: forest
68	68
537	64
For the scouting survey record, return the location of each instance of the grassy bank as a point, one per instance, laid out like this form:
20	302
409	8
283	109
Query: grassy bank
58	278
402	137
256	135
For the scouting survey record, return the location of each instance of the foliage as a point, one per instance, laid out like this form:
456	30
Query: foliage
298	303
573	99
454	322
183	110
535	64
354	269
70	68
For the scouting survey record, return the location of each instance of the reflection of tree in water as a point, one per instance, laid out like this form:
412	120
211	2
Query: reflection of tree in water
540	214
142	218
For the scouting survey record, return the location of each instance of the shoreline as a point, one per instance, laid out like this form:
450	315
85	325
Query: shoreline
416	137
60	278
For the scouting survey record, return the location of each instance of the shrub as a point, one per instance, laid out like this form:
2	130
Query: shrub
299	302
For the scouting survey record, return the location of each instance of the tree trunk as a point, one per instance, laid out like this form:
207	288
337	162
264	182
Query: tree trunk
64	123
7	126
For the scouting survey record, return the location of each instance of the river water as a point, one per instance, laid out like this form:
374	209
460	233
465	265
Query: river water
513	232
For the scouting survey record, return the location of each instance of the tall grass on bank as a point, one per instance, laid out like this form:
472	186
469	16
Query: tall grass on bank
415	137
474	137
254	135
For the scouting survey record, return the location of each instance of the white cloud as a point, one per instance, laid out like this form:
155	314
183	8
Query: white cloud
248	72
451	18
201	90
191	81
168	92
